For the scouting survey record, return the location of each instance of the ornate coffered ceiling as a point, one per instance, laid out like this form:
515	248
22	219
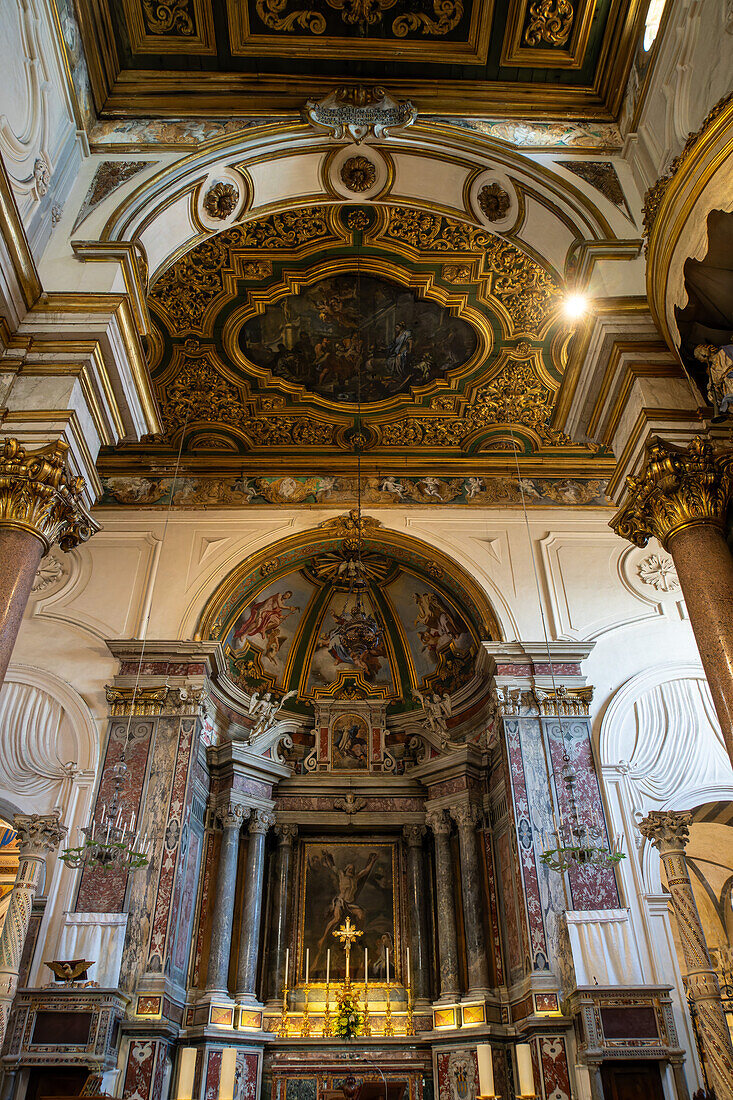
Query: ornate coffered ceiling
265	334
237	57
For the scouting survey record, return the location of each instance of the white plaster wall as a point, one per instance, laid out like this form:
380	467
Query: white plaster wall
691	72
37	116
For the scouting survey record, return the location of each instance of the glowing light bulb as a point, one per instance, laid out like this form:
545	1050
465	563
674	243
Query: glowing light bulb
575	306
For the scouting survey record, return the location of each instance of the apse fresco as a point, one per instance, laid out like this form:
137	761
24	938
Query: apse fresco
349	336
264	631
332	656
290	636
439	639
353	879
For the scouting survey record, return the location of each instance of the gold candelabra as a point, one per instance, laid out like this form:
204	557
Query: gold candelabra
410	1020
367	1024
388	1025
283	1028
306	1026
327	1025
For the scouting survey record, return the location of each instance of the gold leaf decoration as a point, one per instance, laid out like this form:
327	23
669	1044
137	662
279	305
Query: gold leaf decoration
168	17
549	23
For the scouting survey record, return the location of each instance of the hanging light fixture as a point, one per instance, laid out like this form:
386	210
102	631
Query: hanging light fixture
360	632
111	842
573	843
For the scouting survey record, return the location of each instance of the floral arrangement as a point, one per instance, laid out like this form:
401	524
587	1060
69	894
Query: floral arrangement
348	1019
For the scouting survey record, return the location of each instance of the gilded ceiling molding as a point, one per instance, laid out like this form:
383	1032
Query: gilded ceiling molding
548	32
678	487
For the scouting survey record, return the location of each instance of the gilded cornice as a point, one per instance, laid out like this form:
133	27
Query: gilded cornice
679	487
38	495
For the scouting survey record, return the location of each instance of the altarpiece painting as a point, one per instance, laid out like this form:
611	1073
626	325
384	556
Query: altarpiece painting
356	879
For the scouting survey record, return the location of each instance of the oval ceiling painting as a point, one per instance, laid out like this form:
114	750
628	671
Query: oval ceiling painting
349	337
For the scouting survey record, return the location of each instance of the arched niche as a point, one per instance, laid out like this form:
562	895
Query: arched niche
277	616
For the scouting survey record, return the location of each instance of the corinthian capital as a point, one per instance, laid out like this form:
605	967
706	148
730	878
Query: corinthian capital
413	834
38	495
466	816
286	833
679	487
667	830
231	815
438	822
261	821
38	833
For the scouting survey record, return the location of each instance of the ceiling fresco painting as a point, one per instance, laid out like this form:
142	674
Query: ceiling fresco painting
351	337
239	57
262	332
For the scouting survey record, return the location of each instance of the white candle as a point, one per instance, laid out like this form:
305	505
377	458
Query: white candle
409	980
387	949
485	1070
287	963
307	963
524	1067
366	966
328	967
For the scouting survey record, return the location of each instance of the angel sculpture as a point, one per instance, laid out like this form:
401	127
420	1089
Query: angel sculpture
437	711
263	712
719	362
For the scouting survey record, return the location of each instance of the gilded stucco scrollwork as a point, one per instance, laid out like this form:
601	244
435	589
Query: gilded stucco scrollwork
549	23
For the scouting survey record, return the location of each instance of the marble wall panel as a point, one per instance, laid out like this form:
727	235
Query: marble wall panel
555	1072
525	842
213	1075
493	907
143	887
104	891
590	887
245	1077
175	849
511	925
145	1071
210	863
550	885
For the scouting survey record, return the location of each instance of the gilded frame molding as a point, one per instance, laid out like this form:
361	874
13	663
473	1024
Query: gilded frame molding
515	52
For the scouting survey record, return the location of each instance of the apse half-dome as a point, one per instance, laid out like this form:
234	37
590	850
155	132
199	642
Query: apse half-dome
282	628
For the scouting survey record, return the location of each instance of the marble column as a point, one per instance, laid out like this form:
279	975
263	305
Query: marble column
279	917
249	938
38	834
217	978
669	833
40	505
446	914
467	818
416	914
681	498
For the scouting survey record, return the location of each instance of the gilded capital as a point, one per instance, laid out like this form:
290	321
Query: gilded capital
679	487
668	830
38	833
38	495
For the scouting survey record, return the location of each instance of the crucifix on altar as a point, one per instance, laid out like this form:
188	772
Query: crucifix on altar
348	933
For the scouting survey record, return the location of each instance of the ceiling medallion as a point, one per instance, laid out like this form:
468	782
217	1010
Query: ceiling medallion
494	201
358	174
356	113
220	201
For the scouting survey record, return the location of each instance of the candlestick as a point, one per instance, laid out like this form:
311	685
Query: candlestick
410	1017
305	1028
525	1070
485	1070
388	1025
327	1028
366	1023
